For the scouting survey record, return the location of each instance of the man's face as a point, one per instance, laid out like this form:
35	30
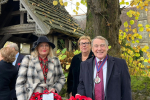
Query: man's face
100	48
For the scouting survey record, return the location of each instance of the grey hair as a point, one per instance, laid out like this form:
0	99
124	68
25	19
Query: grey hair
35	52
101	38
13	45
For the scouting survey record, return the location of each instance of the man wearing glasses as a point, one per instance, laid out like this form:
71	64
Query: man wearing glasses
103	77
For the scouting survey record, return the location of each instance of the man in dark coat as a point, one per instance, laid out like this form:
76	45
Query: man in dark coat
16	63
109	80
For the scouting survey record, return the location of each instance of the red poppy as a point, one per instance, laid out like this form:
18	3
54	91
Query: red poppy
18	64
78	97
38	96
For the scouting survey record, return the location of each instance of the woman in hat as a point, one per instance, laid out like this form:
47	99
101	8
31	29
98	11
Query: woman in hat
40	71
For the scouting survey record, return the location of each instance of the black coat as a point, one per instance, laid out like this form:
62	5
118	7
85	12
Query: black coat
17	65
74	71
8	74
118	86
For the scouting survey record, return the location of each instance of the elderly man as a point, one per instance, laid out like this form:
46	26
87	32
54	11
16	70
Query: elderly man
16	63
103	77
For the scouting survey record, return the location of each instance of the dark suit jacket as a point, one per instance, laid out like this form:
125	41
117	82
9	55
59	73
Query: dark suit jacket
17	65
8	74
74	71
117	81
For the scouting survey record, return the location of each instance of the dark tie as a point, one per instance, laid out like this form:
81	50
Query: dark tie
99	88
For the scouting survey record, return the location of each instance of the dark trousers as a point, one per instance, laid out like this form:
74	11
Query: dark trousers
14	99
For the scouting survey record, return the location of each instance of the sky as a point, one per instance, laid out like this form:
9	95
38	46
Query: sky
82	8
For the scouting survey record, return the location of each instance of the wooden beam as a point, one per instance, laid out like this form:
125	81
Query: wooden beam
51	38
70	45
67	44
4	39
21	17
19	39
14	13
55	42
18	29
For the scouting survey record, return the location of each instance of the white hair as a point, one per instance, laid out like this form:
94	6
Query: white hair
101	38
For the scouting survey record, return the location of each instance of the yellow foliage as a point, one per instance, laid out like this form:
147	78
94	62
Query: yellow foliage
140	36
148	29
134	30
140	25
132	37
146	9
77	3
55	3
74	30
129	26
142	8
129	35
128	38
65	3
76	13
61	3
67	66
141	58
147	25
137	7
126	30
74	10
60	0
145	60
77	8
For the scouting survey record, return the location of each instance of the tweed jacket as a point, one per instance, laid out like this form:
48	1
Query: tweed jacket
31	79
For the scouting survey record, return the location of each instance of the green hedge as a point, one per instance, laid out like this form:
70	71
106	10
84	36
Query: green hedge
140	86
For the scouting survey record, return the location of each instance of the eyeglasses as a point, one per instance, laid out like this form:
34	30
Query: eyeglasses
86	43
42	45
101	45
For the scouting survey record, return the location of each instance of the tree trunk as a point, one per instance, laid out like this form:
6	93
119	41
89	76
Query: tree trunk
103	18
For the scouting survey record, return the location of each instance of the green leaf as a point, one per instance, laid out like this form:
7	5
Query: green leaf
109	47
147	26
126	29
122	3
136	18
131	22
127	3
66	74
63	57
137	41
140	36
64	50
141	29
129	14
76	52
58	51
133	41
126	24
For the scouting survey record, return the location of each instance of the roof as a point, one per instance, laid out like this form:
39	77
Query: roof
53	17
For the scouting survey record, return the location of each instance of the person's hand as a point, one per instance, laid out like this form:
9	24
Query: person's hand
77	94
70	95
52	90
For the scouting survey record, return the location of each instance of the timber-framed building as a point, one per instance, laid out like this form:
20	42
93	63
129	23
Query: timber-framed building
22	21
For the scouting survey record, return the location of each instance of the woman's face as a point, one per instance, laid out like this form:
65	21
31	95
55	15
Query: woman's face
43	49
1	57
85	45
